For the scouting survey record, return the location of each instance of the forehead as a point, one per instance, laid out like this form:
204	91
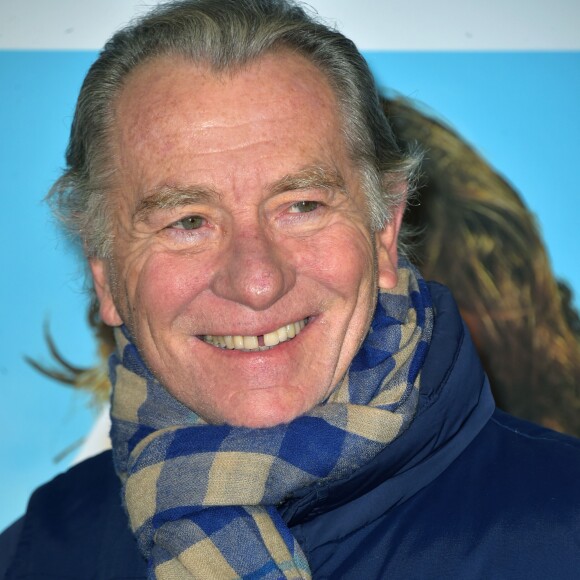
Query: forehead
170	107
278	74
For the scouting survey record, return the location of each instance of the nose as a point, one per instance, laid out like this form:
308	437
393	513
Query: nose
253	271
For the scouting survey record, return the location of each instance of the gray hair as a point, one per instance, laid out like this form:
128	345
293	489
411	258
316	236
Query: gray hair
225	34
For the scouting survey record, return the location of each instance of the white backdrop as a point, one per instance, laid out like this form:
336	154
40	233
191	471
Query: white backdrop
371	24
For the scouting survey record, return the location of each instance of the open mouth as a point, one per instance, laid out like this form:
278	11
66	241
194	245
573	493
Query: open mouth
260	342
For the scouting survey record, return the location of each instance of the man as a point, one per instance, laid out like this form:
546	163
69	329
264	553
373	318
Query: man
290	399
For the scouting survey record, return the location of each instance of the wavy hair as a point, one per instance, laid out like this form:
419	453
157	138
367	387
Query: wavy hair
470	230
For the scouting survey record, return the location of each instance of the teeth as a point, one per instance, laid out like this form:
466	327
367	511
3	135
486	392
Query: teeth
252	343
282	334
271	339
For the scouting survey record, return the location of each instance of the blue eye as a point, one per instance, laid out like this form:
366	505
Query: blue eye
304	206
191	222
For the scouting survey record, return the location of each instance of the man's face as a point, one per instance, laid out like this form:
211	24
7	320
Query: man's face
243	263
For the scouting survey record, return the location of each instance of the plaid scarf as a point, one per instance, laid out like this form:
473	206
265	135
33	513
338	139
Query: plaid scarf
202	498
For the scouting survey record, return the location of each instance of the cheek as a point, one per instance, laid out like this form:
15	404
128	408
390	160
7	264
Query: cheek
162	286
342	259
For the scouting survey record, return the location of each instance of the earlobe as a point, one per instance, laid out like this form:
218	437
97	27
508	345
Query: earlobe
387	255
107	309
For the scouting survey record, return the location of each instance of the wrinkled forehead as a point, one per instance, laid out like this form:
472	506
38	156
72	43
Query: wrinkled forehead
171	106
278	76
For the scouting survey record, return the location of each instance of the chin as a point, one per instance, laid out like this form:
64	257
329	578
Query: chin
267	410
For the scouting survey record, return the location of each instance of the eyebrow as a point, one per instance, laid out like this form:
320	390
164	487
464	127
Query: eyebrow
311	177
169	197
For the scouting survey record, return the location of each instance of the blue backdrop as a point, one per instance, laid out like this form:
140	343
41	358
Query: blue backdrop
519	109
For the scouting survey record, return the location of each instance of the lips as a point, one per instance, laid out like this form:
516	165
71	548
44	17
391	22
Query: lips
257	342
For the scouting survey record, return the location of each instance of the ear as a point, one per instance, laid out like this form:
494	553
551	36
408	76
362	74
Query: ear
107	308
386	244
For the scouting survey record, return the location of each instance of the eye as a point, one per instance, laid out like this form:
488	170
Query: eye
304	206
191	222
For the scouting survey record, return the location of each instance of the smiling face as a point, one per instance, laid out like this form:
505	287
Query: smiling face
243	264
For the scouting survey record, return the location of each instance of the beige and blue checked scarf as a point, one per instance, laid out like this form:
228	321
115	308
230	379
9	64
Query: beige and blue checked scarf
202	498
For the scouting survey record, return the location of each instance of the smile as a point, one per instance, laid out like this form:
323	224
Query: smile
257	343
